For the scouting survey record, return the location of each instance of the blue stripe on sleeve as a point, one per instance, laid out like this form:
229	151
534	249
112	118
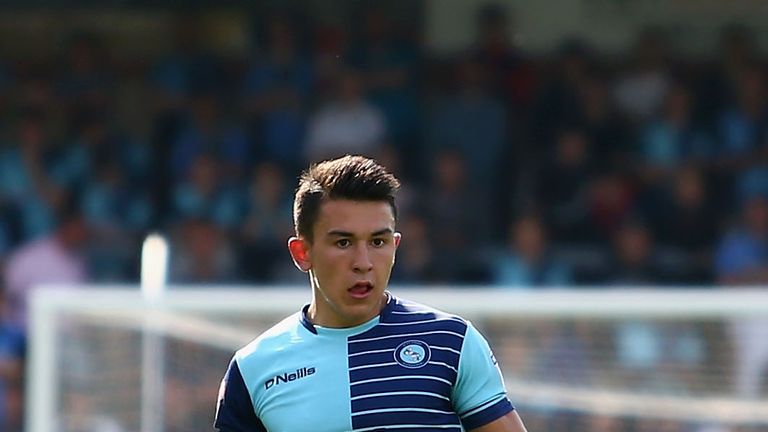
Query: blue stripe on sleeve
487	415
235	412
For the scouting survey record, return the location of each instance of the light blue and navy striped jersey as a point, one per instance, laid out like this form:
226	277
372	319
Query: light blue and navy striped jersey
410	368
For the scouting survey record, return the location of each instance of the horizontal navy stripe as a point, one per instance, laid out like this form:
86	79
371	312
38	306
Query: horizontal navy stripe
415	333
406	312
401	401
488	415
400	417
411	427
380	331
376	357
423	320
395	370
401	384
448	340
388	355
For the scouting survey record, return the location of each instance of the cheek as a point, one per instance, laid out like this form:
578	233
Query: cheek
329	264
385	258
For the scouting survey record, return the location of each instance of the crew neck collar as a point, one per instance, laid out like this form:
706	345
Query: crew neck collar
317	329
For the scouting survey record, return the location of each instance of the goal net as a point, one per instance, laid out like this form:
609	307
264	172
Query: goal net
107	359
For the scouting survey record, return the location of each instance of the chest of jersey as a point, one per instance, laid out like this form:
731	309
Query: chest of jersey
391	375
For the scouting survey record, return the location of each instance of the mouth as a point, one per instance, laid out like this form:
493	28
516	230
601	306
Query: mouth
360	290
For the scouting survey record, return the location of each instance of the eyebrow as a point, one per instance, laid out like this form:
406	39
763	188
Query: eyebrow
340	233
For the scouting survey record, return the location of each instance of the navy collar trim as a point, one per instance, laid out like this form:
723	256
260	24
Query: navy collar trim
384	312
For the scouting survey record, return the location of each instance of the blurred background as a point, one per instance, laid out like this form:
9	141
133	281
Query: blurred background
571	143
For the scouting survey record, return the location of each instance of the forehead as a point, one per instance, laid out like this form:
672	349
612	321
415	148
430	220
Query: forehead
357	217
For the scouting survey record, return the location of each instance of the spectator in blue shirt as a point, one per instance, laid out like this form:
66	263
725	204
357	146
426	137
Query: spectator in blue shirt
527	261
277	89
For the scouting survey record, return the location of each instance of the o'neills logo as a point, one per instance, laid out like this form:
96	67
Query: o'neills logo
293	376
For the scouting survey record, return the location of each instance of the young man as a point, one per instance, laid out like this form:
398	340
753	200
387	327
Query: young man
357	357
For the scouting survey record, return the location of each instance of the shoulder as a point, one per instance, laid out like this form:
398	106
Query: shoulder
405	313
274	340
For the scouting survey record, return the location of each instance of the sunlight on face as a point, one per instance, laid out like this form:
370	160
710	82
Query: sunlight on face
351	257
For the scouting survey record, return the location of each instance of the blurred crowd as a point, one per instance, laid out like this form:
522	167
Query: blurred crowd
571	168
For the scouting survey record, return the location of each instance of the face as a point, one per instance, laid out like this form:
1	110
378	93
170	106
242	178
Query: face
529	239
349	261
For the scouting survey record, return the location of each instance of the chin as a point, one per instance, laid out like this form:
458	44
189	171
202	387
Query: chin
365	309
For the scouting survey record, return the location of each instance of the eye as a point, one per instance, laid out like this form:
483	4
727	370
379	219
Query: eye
343	243
378	242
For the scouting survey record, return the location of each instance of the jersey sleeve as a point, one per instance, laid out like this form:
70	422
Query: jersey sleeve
234	409
479	396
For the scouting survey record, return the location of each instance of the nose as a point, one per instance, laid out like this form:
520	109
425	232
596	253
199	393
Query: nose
362	261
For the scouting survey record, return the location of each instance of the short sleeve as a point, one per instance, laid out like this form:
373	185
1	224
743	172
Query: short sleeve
479	396
234	409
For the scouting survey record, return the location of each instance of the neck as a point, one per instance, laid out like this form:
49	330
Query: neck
322	313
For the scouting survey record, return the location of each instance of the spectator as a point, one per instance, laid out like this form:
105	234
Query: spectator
496	48
640	92
603	124
742	255
266	225
611	201
741	126
277	90
687	222
558	101
206	130
347	123
205	194
673	139
116	215
25	180
737	50
471	115
416	263
62	253
86	79
202	253
452	209
564	198
387	59
187	68
528	262
636	257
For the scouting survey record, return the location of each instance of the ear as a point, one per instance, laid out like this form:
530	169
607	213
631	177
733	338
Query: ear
299	249
397	236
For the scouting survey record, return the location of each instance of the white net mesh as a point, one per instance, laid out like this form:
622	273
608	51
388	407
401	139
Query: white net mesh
685	361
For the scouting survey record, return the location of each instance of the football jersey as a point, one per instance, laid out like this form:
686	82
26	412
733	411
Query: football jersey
409	368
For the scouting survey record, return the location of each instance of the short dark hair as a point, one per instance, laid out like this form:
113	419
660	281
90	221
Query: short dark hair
354	178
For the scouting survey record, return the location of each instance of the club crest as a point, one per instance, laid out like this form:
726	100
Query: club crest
412	354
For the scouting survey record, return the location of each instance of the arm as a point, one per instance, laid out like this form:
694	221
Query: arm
510	422
234	409
479	396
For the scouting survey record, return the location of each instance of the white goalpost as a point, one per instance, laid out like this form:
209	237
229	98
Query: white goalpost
154	274
631	355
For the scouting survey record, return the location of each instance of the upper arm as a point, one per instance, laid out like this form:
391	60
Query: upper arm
510	422
234	409
479	396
